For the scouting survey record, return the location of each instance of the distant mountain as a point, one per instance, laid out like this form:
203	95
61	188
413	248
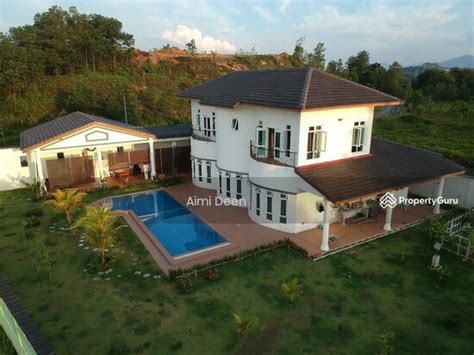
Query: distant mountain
415	70
464	61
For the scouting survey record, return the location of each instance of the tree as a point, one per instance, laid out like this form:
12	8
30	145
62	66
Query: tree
460	109
292	290
317	59
191	46
335	67
246	325
67	201
298	52
357	67
101	227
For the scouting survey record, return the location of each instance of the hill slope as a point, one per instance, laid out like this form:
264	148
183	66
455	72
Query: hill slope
464	61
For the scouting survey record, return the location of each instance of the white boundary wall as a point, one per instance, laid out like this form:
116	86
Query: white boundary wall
460	187
11	171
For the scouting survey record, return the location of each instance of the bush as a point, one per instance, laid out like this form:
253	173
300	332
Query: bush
31	222
185	284
33	212
246	325
212	274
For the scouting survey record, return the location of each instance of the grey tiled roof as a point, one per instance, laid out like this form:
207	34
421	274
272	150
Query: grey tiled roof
164	131
296	88
390	166
64	124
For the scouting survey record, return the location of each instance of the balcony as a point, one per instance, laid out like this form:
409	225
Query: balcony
204	134
273	156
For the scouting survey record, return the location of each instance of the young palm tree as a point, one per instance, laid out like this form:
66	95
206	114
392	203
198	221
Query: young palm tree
101	228
246	325
291	289
67	201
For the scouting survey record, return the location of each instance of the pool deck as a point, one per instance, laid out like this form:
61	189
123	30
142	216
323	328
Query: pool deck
234	224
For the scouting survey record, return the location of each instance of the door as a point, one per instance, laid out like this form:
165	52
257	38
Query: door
271	142
261	142
278	143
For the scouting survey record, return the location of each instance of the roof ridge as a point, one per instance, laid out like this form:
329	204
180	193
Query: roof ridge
307	81
82	114
356	83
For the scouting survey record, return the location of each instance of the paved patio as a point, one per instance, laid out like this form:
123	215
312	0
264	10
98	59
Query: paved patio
234	224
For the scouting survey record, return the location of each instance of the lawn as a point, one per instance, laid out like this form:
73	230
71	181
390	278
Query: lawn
435	128
347	300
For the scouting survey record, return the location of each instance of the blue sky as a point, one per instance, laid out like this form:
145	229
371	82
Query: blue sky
408	31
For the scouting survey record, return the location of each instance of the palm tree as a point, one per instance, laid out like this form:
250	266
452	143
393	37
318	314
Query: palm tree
67	201
246	325
101	229
291	289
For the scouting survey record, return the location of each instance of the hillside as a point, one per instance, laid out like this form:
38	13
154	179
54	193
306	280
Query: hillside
464	61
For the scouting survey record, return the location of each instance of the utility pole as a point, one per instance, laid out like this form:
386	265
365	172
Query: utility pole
125	109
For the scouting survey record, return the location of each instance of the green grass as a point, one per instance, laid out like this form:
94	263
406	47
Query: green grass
434	128
347	299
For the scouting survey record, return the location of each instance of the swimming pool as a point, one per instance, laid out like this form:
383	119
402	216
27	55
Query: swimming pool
178	229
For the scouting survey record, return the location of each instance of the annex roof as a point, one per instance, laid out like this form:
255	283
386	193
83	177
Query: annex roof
390	166
72	122
295	88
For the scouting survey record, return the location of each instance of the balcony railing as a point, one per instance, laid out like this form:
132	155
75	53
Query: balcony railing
273	156
204	134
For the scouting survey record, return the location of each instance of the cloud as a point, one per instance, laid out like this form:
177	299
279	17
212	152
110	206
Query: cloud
264	12
183	34
283	5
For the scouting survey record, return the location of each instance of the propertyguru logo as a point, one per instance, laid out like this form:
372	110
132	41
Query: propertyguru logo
390	200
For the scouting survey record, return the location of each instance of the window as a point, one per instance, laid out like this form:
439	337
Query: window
210	130
220	183
60	155
239	187
283	202
257	202
208	168
213	124
23	161
198	120
194	168
200	170
288	140
251	193
120	150
358	136
227	192
316	142
235	124
269	205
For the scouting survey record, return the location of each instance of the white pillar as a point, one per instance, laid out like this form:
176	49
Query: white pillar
438	193
39	169
152	158
388	218
325	230
100	163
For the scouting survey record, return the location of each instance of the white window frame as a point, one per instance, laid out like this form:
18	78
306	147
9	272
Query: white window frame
359	133
235	124
257	202
200	170
269	213
208	171
238	193
228	188
283	214
317	138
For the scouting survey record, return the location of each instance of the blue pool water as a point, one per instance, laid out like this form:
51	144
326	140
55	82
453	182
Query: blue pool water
178	229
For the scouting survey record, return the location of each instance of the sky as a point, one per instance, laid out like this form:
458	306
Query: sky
411	32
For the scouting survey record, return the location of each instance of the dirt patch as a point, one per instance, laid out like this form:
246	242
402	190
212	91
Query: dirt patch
264	342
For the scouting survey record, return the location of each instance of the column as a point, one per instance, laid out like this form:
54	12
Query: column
100	163
438	193
325	230
388	218
39	169
152	158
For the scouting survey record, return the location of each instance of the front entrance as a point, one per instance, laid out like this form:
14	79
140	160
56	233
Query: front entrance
70	171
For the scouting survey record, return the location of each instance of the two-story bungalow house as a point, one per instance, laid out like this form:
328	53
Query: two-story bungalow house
297	146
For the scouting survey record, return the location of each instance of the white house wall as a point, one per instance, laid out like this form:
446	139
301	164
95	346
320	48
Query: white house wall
339	124
13	173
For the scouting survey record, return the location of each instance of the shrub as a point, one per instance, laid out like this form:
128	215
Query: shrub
212	274
442	275
185	284
246	324
33	212
292	290
31	222
386	340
